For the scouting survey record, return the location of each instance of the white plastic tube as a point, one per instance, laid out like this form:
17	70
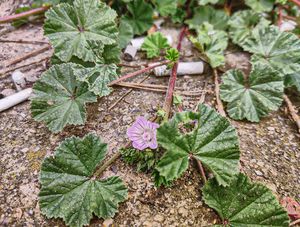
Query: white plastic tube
15	99
184	68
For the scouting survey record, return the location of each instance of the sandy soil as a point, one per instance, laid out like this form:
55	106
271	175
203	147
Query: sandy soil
270	149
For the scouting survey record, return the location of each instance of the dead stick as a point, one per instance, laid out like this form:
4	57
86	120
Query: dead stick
23	41
202	98
126	94
147	85
173	77
185	93
138	72
220	106
292	111
22	66
128	66
28	55
11	18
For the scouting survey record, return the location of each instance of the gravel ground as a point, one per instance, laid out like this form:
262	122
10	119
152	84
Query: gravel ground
270	149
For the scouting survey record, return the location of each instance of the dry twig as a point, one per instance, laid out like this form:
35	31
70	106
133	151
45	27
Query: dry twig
22	66
28	55
292	111
220	106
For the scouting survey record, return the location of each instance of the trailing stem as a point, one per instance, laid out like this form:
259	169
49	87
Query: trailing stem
173	77
11	18
220	106
138	72
297	2
292	111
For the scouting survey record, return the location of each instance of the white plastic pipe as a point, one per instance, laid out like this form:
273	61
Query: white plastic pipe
15	99
184	68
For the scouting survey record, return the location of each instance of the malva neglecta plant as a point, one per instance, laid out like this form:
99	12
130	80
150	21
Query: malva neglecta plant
87	37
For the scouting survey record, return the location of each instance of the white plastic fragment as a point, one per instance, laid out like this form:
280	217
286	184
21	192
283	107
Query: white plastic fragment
130	53
288	26
15	99
184	68
158	23
19	80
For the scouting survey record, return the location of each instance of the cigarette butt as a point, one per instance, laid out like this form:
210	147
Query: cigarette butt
14	99
130	53
184	68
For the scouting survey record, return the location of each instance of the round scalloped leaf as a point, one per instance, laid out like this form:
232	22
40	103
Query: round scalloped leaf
254	97
280	50
245	204
242	23
293	80
217	18
213	141
166	7
59	99
260	5
139	16
126	33
81	29
98	78
68	190
211	44
154	44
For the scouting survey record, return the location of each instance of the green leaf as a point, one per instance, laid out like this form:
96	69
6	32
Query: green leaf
245	204
280	50
59	99
144	161
166	7
81	30
211	44
68	190
242	23
172	55
260	5
154	44
254	97
217	18
293	80
205	2
139	16
213	141
98	78
126	33
179	16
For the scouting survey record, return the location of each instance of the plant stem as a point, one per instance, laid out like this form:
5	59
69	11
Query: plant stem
220	106
292	111
107	164
201	169
297	2
11	18
280	17
138	72
172	81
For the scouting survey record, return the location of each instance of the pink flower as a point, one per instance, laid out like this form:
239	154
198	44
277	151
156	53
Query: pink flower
143	134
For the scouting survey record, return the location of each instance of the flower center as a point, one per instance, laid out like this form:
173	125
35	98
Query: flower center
147	135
